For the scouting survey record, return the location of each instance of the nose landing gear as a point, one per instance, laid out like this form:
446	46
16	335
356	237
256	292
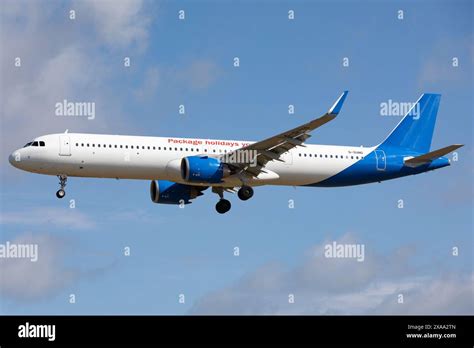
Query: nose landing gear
62	183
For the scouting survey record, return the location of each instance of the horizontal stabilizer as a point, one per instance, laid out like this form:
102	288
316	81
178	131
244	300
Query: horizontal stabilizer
430	156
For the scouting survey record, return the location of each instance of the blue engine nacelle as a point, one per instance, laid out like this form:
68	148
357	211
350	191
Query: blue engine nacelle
203	169
168	192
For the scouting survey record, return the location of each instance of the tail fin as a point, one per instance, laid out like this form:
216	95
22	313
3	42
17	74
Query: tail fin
415	130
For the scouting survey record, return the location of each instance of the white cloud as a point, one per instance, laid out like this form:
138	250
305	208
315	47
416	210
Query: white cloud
119	23
62	59
55	269
44	216
342	286
443	294
22	279
196	75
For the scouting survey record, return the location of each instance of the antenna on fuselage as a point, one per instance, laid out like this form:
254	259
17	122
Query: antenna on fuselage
65	132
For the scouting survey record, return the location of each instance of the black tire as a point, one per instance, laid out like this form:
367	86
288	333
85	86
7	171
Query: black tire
60	193
223	206
245	192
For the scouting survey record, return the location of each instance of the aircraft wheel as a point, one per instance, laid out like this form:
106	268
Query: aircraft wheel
245	192
223	206
60	193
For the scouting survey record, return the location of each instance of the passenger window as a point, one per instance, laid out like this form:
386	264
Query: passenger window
77	144
121	146
87	145
154	148
148	148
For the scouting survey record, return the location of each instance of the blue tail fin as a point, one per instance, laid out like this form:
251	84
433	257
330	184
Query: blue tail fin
415	130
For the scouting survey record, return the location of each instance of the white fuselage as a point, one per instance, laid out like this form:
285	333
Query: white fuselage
159	158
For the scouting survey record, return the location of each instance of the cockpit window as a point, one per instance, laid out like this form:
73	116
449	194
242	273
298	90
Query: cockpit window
28	144
41	143
35	143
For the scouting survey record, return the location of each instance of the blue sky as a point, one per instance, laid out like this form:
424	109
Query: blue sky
190	251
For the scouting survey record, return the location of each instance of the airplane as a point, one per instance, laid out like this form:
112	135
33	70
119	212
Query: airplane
180	169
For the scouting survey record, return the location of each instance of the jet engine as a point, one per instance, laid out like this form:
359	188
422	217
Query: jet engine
168	192
203	169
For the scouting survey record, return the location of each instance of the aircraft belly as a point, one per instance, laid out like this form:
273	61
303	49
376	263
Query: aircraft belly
305	172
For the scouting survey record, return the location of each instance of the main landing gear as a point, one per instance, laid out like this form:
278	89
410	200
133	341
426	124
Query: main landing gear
245	192
223	206
62	182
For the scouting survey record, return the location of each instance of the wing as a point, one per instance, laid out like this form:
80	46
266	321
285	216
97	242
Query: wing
273	148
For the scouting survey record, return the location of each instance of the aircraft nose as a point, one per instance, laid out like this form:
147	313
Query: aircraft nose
12	159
